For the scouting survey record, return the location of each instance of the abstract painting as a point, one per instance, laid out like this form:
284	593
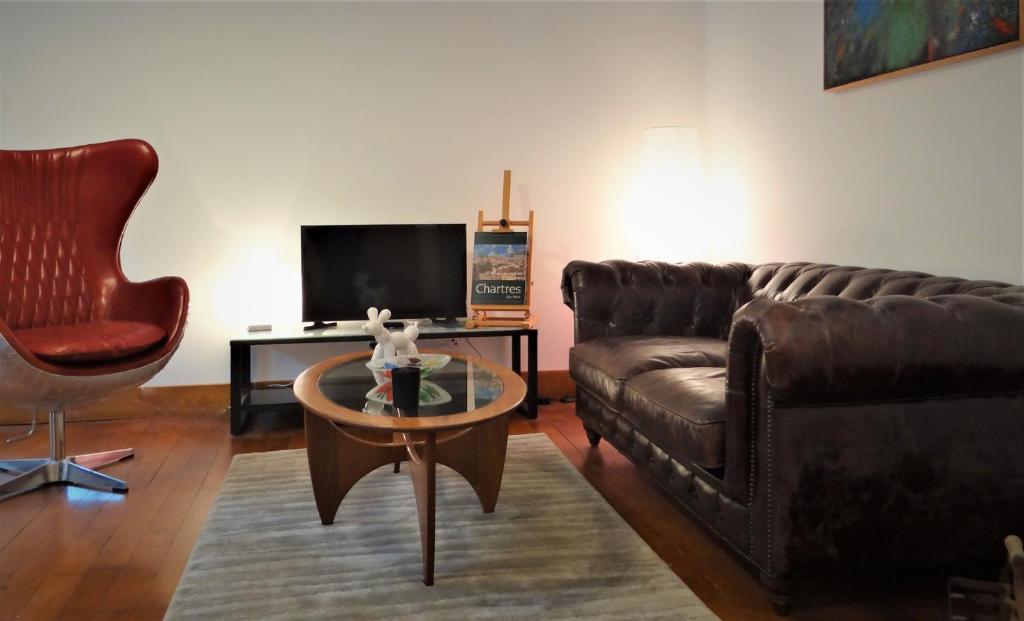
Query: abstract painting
867	40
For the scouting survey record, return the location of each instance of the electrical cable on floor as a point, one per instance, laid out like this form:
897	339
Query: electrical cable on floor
470	343
31	430
540	400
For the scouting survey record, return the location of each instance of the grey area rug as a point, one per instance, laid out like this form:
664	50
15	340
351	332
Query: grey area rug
553	549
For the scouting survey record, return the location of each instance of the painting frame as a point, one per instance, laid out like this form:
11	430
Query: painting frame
896	73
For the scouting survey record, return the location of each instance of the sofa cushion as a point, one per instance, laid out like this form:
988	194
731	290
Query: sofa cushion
682	411
603	366
94	341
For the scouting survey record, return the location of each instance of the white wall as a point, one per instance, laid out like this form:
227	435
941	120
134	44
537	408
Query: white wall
920	172
267	116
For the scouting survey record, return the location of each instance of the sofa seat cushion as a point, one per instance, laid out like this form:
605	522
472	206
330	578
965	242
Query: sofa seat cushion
94	341
682	411
603	366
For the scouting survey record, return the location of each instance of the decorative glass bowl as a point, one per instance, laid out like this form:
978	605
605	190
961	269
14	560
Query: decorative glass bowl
428	364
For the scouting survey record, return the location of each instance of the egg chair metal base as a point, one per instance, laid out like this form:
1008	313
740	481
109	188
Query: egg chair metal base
31	474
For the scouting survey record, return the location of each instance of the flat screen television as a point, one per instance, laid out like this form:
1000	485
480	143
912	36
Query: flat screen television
416	270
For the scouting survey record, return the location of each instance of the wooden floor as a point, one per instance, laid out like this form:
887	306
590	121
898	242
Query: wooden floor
67	553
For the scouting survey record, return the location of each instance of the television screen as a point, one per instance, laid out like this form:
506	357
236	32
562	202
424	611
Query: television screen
416	270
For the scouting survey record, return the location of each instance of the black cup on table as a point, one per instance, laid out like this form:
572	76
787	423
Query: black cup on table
406	384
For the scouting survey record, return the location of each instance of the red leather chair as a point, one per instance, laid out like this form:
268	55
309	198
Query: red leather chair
73	329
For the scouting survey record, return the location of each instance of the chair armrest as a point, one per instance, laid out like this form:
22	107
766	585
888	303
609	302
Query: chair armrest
836	350
619	298
162	301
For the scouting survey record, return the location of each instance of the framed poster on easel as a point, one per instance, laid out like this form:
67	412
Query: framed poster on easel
502	254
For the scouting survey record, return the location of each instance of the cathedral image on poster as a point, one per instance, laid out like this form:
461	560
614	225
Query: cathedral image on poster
500	263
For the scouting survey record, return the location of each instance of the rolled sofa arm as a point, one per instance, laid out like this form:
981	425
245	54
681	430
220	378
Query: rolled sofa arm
823	350
857	430
619	298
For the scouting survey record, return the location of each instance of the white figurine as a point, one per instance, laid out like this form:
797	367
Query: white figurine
375	327
404	341
389	344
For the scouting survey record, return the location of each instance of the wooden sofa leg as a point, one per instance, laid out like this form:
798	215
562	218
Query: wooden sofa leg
592	436
782	606
780	593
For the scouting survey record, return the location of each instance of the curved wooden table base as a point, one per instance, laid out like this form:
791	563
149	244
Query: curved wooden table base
339	456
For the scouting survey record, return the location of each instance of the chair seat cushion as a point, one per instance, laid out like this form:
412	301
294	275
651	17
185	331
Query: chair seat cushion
682	411
603	366
95	341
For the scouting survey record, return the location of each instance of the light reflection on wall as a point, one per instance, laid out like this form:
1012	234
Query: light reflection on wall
257	285
727	220
665	207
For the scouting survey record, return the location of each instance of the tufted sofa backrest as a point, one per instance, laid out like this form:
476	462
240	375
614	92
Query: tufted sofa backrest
616	298
785	282
619	298
62	213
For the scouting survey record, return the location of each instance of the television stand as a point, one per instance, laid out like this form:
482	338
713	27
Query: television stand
446	322
320	325
249	398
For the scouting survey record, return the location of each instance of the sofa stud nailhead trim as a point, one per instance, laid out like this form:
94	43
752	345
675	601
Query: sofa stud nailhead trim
751	431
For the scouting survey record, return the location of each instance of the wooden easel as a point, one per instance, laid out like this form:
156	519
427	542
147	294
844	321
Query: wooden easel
512	316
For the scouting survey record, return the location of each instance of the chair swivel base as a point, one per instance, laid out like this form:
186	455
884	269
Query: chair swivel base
31	474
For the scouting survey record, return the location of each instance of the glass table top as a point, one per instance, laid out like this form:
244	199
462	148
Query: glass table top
460	386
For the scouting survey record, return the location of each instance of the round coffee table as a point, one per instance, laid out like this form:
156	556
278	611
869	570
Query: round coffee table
462	422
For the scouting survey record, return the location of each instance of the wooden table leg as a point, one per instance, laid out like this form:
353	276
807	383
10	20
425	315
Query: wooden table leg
337	460
479	456
423	469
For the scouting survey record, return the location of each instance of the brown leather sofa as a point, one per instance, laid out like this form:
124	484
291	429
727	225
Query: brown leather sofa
811	415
